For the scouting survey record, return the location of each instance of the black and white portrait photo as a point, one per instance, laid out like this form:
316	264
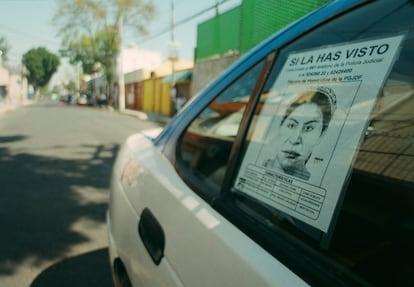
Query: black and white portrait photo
301	129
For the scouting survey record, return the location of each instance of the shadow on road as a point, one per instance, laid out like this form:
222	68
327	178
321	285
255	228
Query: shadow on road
42	201
89	269
12	138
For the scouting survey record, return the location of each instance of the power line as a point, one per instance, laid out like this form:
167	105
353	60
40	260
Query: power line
10	29
184	21
145	39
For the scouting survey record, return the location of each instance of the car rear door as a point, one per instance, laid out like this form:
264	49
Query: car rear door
334	227
181	240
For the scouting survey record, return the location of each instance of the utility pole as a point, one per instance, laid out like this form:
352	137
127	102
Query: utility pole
173	53
120	72
78	87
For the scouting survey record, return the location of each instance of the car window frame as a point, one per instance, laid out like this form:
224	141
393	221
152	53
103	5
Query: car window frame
192	181
292	248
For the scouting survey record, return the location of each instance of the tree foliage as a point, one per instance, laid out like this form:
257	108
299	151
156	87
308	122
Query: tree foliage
91	50
71	86
41	65
91	30
4	49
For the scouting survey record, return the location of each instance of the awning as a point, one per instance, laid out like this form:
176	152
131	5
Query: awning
183	76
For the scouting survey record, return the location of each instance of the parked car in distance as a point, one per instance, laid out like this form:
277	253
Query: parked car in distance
63	98
68	99
82	100
101	99
91	99
293	168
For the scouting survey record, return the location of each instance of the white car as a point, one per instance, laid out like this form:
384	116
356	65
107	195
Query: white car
82	100
293	168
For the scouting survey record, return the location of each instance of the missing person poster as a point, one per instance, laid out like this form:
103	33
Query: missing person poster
323	99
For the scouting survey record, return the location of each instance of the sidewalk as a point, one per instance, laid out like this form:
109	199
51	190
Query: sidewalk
5	108
148	116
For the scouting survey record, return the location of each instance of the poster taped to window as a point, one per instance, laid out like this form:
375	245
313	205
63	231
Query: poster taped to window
323	99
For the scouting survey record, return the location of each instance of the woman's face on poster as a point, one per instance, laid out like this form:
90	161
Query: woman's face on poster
299	133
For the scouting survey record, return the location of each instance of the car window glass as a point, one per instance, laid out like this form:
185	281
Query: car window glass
335	132
204	147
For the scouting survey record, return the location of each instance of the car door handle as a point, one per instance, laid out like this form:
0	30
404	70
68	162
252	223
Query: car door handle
152	235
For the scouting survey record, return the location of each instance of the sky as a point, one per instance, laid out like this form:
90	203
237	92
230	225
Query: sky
27	24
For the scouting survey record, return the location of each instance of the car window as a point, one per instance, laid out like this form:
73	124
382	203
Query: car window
328	159
204	147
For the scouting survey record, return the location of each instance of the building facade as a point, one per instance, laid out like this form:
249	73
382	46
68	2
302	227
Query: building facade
157	90
13	88
224	38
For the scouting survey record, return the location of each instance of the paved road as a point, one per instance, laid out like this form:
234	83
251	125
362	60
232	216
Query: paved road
55	167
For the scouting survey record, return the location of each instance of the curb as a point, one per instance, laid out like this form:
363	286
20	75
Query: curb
147	116
6	108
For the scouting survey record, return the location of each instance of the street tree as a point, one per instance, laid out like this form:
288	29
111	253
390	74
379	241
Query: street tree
4	49
92	30
93	59
71	87
41	65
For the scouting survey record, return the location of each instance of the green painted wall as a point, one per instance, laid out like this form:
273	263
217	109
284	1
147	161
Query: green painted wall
219	35
246	26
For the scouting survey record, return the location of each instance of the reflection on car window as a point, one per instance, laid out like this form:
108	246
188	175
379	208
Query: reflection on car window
204	147
387	150
371	228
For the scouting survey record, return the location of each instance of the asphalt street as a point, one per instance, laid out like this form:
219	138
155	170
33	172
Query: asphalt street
55	169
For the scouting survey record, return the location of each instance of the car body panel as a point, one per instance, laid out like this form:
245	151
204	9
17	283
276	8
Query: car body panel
154	183
202	246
